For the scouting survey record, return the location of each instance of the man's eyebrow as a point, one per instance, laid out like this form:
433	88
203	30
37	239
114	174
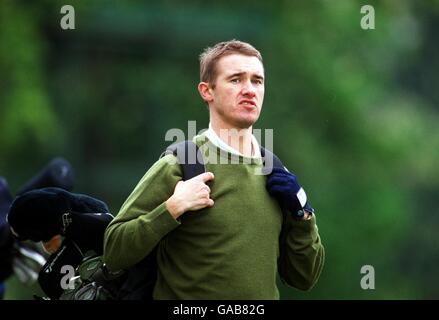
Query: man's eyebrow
238	74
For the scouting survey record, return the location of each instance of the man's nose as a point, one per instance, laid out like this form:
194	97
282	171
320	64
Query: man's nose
248	89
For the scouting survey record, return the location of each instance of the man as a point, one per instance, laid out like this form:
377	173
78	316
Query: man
217	234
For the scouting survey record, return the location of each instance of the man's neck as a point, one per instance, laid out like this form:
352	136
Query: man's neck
238	138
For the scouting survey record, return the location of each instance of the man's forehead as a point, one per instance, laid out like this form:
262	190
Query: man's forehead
240	64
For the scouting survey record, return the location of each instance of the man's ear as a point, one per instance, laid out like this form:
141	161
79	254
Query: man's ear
205	91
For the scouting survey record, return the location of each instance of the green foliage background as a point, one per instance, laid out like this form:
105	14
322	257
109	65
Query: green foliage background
354	114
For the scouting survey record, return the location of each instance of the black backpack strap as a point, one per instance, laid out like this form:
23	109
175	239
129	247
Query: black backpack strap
189	156
270	161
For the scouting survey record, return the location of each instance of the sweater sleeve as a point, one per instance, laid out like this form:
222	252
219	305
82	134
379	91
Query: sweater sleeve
303	254
143	219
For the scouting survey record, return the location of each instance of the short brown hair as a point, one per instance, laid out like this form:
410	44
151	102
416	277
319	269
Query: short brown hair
211	55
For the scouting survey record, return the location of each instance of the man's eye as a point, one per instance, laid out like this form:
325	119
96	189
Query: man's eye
257	81
234	81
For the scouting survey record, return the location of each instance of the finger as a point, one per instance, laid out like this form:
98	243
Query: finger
178	183
276	182
281	178
204	177
281	174
204	194
206	201
280	188
206	187
277	190
273	193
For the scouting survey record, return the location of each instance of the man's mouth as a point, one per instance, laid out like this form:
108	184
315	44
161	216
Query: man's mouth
248	103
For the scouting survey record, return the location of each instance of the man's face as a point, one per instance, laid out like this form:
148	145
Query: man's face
239	91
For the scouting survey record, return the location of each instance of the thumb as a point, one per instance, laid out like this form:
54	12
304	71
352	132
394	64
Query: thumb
204	177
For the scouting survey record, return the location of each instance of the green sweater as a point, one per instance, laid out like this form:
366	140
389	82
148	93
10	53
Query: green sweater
228	251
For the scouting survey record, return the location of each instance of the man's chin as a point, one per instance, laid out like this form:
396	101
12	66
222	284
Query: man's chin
246	123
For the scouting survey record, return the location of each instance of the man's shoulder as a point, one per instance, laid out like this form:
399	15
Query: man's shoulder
166	161
165	165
